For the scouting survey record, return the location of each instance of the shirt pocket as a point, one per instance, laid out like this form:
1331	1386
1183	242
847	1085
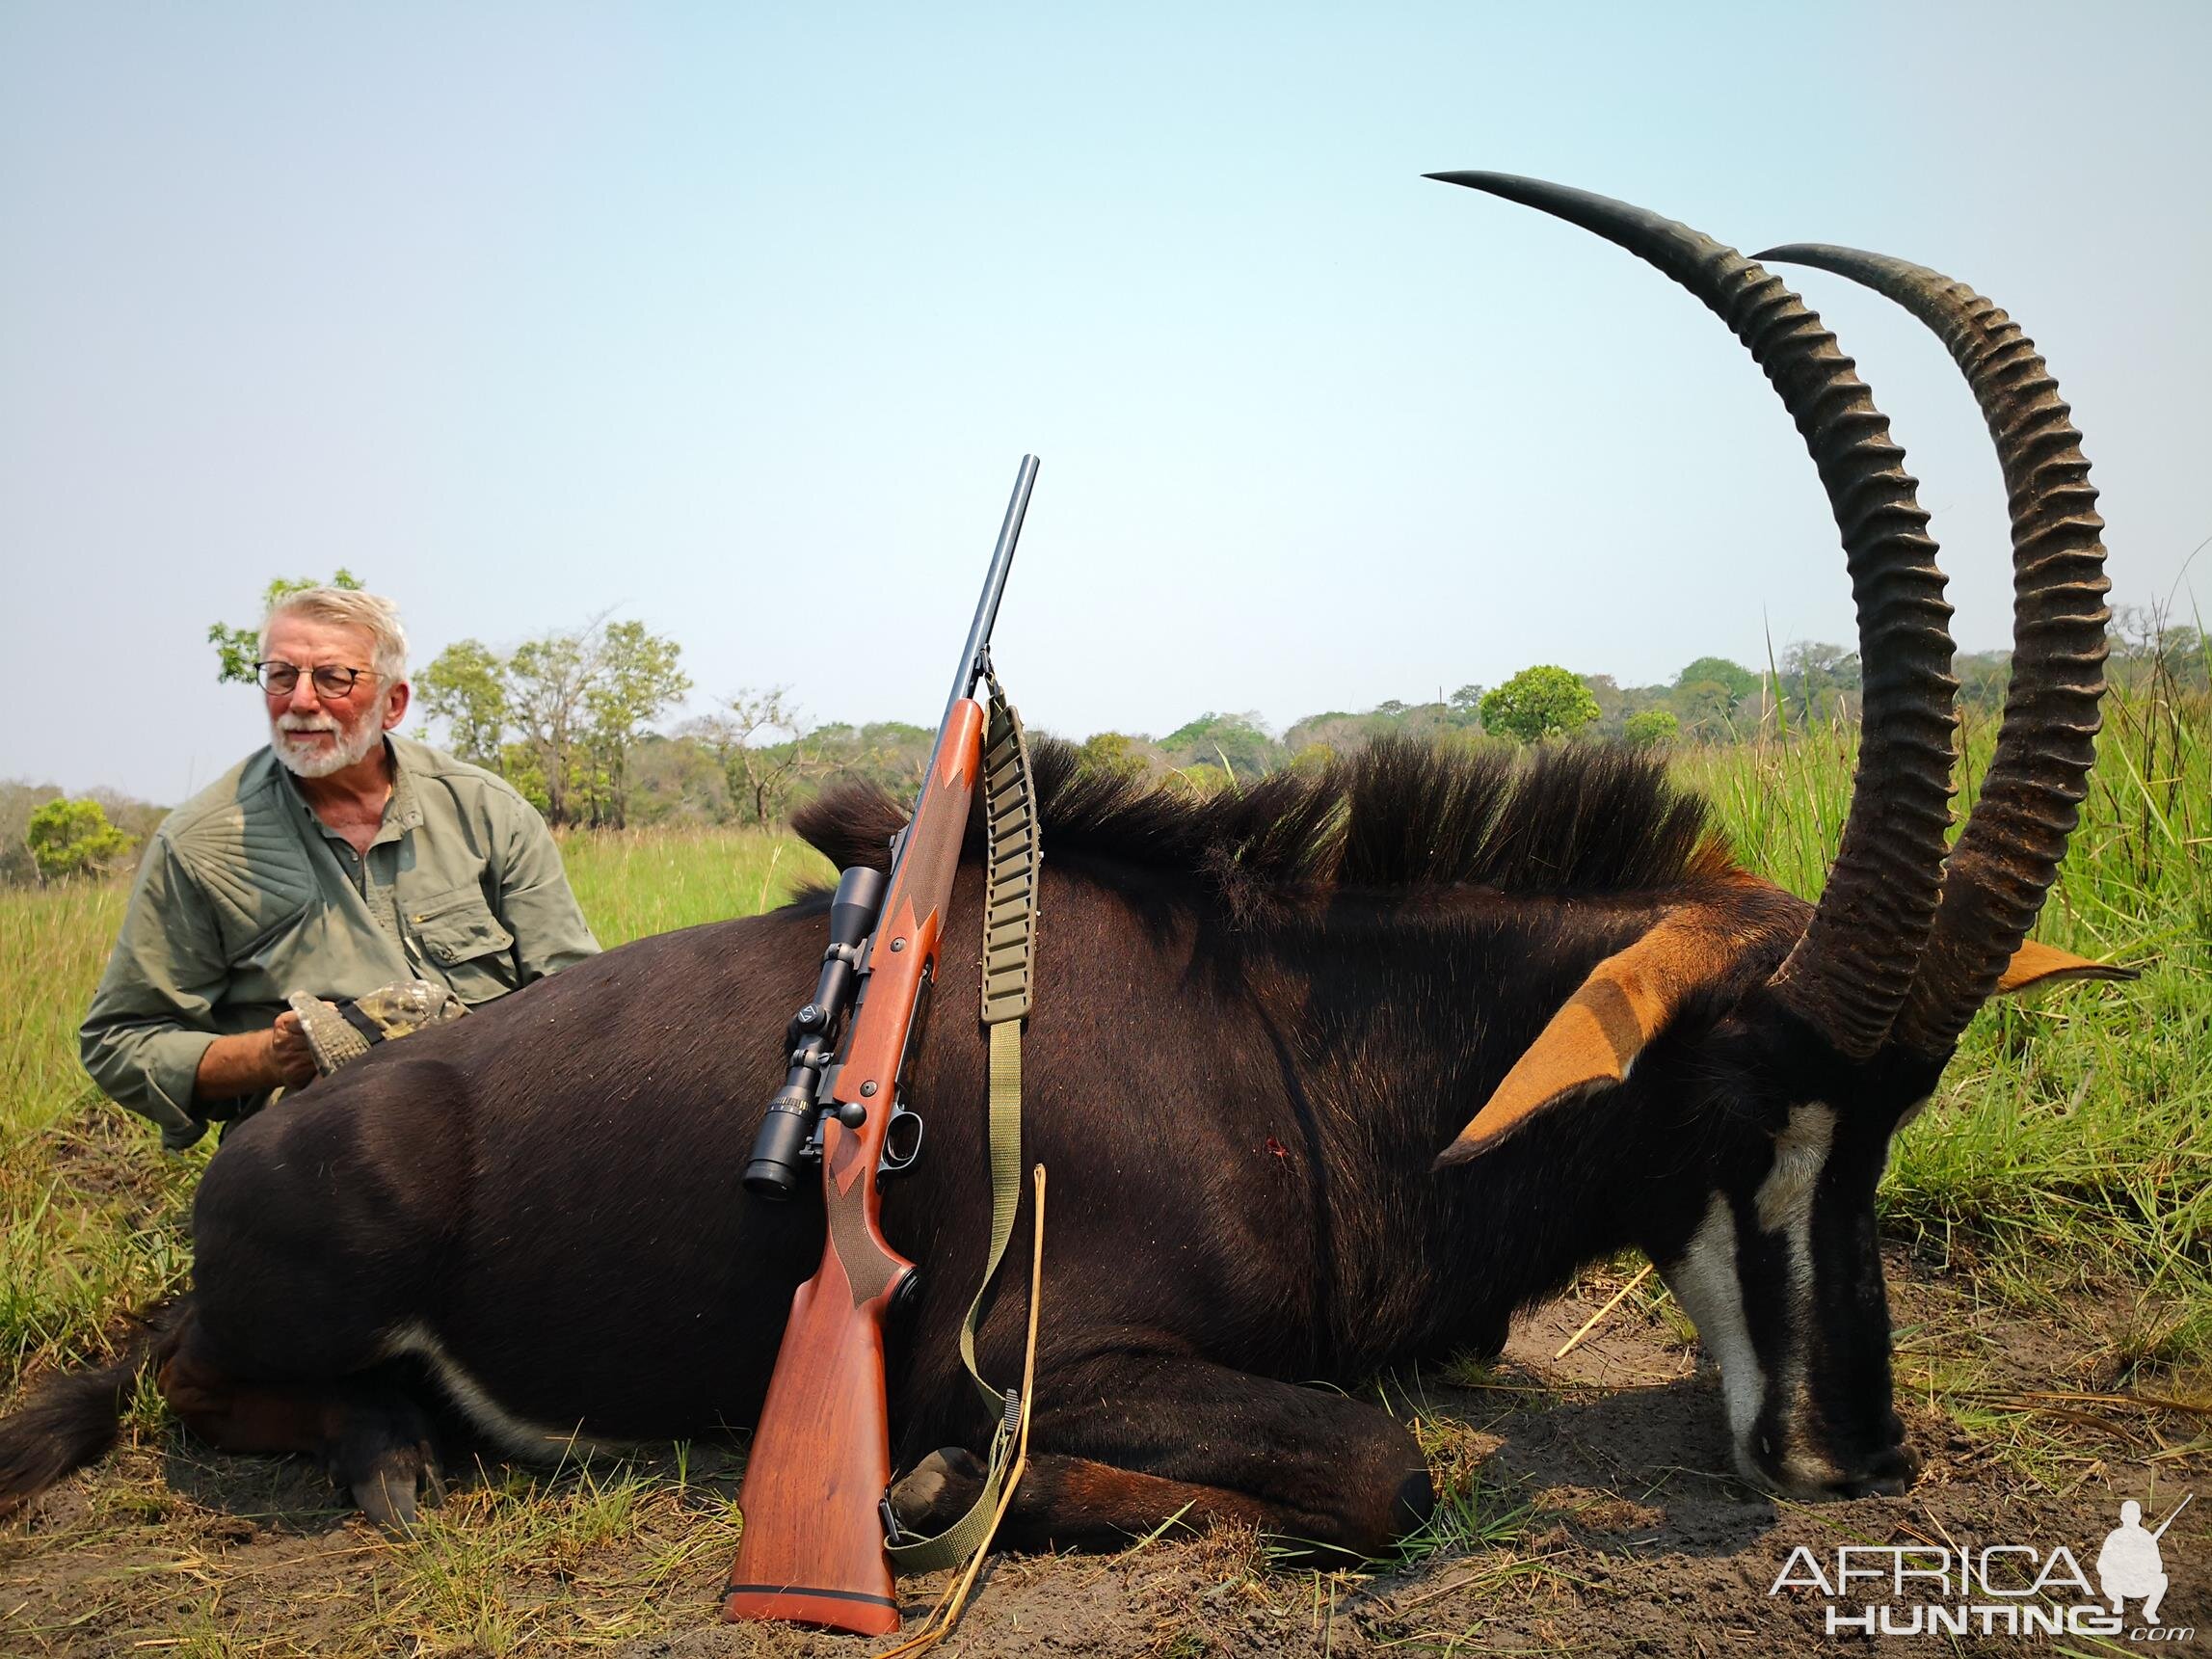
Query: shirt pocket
463	940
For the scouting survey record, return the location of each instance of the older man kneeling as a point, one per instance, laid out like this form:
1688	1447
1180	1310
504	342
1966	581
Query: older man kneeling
340	861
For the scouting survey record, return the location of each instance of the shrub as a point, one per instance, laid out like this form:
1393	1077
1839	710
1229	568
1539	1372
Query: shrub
75	837
1538	702
1649	726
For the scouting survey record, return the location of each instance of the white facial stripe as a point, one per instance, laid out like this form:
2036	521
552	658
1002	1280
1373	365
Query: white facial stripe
524	1439
1784	1203
1706	1283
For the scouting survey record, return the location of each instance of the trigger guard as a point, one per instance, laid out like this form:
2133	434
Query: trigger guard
891	1160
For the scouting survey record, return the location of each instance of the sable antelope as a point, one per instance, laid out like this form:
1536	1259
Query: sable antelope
1258	1017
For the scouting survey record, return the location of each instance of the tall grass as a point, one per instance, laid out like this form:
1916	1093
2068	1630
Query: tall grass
89	1213
53	944
2070	1146
636	882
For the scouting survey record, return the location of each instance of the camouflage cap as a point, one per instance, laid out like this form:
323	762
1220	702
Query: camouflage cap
341	1031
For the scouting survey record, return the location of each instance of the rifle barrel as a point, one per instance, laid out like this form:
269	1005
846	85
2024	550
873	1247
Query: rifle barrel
994	587
2171	1518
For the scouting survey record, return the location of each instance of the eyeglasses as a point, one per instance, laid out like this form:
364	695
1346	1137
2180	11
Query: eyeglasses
332	683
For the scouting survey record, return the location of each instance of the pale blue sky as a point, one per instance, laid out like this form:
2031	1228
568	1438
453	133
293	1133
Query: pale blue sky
736	321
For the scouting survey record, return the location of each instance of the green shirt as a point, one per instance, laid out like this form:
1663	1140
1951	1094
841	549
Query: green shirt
243	897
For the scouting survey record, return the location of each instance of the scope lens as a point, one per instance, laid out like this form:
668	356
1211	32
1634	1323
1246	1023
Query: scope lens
777	1153
766	1179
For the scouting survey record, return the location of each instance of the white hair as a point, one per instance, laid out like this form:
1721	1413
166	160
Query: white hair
371	613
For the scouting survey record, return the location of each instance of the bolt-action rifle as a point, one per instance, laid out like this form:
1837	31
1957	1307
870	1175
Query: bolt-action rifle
816	1480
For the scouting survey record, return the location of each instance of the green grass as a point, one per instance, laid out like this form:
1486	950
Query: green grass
53	944
636	882
90	1213
2069	1148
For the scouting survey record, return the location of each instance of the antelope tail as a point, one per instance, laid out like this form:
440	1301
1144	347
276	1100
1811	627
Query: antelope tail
72	1419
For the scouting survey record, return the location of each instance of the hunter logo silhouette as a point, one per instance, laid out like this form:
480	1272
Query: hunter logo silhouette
2129	1566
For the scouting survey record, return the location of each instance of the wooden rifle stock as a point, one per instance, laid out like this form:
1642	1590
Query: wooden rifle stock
813	1545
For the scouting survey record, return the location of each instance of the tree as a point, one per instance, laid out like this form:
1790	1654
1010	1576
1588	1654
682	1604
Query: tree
2152	654
1983	677
1343	732
1200	779
758	775
888	752
1733	678
577	701
1112	755
238	649
1648	727
1706	707
1334	728
1537	703
1234	743
466	689
75	837
1607	690
633	680
1816	675
546	679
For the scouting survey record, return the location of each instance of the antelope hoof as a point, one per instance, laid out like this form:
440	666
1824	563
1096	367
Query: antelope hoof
389	1490
938	1490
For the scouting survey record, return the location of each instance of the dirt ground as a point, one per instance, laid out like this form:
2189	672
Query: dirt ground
1598	1523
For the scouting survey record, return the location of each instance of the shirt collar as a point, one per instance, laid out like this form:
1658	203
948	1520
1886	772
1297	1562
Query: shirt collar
402	812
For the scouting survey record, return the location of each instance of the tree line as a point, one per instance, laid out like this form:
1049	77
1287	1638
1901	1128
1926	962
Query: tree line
570	718
754	756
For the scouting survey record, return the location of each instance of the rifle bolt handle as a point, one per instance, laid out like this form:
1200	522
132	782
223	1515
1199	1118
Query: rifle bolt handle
852	1115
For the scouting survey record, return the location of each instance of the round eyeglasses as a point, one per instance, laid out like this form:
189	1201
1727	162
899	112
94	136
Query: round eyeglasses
332	683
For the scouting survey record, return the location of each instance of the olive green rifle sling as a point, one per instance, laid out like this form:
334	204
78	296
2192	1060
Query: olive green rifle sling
1011	858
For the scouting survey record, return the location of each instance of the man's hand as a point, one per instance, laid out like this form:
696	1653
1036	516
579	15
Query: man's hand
254	1060
291	1059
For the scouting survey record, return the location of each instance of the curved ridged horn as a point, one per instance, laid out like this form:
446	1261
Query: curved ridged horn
2008	855
1852	969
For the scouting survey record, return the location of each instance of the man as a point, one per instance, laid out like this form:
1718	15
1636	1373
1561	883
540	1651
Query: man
337	861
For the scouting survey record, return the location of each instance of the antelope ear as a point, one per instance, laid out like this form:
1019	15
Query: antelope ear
2033	966
1598	1032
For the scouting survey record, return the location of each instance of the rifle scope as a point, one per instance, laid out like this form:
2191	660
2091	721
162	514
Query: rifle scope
787	1133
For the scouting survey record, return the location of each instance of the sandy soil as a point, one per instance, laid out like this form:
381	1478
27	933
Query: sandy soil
1609	1531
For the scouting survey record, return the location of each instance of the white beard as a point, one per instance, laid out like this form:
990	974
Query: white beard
311	760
